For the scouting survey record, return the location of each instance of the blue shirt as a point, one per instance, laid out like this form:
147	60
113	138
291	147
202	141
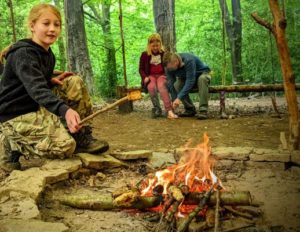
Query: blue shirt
191	69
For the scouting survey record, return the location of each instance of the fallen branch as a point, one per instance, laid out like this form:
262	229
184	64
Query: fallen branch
238	213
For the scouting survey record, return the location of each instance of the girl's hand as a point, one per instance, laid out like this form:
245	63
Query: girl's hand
58	79
73	119
146	80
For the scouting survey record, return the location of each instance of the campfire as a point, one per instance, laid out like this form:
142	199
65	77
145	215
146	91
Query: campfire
187	196
187	191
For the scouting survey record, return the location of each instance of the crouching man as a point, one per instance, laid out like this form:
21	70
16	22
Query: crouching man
184	72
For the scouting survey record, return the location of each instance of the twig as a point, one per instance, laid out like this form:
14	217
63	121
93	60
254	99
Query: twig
274	104
217	214
238	213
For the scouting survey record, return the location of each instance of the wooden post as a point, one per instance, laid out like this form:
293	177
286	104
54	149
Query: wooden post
278	30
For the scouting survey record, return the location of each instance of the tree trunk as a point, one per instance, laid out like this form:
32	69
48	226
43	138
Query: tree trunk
110	65
234	34
164	18
12	19
77	50
61	45
278	30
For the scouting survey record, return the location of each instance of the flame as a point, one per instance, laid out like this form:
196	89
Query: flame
194	170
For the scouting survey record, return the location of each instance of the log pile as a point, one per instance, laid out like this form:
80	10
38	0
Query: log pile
179	210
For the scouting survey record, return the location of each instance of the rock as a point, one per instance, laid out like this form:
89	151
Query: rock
80	173
224	164
179	152
18	206
132	155
100	162
16	225
70	165
232	153
295	157
270	155
295	171
159	159
30	182
265	165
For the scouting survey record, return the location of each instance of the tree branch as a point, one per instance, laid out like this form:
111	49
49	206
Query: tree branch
262	22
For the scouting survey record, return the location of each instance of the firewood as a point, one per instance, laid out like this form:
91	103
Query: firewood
171	213
99	201
210	217
217	213
197	226
254	211
238	213
185	224
176	193
226	198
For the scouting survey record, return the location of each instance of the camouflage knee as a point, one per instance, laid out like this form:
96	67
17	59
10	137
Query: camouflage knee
75	94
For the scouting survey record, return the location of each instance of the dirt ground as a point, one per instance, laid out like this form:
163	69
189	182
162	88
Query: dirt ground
254	125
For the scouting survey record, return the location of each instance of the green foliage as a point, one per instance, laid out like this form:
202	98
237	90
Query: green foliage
198	30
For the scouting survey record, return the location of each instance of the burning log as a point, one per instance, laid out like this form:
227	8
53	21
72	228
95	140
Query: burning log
217	213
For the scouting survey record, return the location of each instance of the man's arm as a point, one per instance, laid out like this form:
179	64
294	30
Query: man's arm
171	78
190	81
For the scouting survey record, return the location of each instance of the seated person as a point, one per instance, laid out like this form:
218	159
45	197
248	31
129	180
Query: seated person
153	76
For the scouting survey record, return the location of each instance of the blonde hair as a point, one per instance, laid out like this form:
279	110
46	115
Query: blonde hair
33	16
37	10
155	37
3	53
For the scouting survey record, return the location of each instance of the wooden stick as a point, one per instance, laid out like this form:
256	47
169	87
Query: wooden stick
217	213
185	224
118	102
238	213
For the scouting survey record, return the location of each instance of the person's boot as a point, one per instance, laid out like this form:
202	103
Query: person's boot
86	143
190	112
156	110
11	162
202	115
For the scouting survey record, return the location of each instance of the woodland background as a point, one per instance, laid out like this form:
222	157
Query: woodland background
198	26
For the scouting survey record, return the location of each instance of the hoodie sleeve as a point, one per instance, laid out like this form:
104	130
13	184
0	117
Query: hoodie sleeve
27	68
190	81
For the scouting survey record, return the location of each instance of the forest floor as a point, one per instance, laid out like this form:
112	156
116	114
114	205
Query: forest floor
254	124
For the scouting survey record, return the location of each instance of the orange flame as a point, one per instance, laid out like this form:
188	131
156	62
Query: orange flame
194	170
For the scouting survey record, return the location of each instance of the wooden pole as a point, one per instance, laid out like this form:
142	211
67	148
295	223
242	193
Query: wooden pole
278	30
123	43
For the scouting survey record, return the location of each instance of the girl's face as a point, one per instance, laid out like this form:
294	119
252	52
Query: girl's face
46	29
155	47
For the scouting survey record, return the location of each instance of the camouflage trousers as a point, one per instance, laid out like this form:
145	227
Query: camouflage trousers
42	133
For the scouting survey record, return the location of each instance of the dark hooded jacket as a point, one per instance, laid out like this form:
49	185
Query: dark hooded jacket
25	84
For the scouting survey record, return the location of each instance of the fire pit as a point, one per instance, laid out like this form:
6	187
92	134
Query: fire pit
187	196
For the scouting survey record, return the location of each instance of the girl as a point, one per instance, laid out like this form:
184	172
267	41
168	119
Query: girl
153	76
31	100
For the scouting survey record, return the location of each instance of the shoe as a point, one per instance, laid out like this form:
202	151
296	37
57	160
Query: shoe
94	147
172	115
202	115
156	112
187	113
86	143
